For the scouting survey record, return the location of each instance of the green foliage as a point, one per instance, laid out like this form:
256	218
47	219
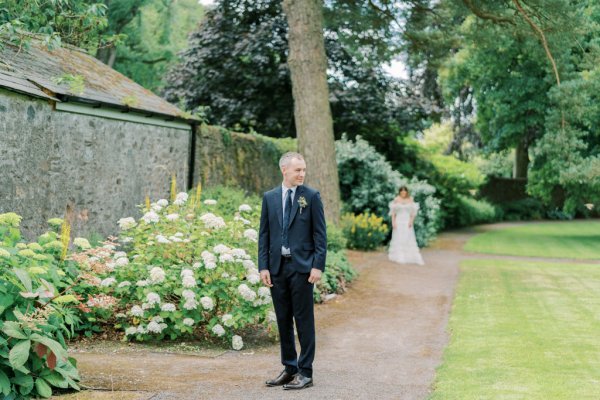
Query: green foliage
525	209
368	183
76	22
336	240
364	231
338	273
155	31
35	296
476	212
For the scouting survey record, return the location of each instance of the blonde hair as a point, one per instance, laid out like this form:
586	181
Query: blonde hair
287	157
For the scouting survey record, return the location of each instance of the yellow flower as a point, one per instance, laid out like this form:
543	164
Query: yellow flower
35	246
26	253
4	253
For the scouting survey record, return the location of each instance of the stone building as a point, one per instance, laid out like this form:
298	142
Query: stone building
77	134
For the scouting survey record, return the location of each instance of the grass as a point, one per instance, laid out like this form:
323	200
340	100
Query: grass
523	330
577	240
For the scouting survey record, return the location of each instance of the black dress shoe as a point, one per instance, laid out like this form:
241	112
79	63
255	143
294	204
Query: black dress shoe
283	378
300	382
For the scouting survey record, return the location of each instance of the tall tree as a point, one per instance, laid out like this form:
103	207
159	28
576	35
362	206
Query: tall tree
312	114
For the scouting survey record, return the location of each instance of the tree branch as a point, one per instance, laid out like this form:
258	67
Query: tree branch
483	15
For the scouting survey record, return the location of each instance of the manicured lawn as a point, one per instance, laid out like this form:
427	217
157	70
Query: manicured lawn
523	330
579	240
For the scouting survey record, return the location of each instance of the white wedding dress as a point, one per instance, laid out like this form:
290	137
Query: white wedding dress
403	246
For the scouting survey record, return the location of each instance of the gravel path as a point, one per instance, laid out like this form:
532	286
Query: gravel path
383	339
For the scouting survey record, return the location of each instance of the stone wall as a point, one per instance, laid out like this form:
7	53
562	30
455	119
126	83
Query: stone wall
248	161
102	168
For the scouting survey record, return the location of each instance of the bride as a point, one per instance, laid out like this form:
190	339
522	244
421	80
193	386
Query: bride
403	246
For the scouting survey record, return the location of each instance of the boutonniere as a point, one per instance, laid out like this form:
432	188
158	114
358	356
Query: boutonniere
302	203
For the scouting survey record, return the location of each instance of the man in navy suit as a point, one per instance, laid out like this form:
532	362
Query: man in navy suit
292	247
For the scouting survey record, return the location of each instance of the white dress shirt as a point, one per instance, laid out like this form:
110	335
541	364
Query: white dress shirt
284	189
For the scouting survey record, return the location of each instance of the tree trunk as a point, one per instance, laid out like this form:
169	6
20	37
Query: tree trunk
107	55
521	160
312	113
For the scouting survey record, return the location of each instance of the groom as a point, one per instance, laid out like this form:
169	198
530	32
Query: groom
292	247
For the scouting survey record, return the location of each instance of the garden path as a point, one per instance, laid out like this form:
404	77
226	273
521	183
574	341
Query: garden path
382	339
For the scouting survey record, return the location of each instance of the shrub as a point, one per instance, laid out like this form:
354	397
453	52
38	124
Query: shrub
34	314
524	209
476	212
336	241
338	273
364	231
368	184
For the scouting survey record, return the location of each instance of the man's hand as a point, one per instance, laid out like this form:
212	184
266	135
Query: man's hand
315	275
265	277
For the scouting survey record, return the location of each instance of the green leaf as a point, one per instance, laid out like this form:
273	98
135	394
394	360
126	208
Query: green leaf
43	388
19	353
24	278
25	381
13	329
53	345
56	379
4	384
69	298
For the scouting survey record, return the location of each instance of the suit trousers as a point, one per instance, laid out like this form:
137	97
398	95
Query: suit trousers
293	300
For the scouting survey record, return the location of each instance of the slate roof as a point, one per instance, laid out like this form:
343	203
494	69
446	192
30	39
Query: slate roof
34	70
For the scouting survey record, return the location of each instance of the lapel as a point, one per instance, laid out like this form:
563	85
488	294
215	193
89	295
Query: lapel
299	192
279	206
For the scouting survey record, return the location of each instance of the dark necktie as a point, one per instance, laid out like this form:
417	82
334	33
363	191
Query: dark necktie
285	240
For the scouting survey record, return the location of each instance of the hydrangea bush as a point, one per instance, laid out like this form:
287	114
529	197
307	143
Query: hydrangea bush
184	268
368	184
35	297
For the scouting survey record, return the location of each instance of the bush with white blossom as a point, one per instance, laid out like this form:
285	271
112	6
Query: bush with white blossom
188	269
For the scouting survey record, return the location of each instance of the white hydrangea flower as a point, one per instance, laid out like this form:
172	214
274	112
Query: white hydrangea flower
157	275
186	240
126	223
210	202
110	266
221	249
186	272
121	262
239	253
211	265
227	320
150	217
246	293
108	282
188	281
190	304
264	291
132	330
211	221
163	202
142	283
157	318
253	278
207	303
225	275
119	254
162	239
82	243
251	234
178	234
169	307
248	264
126	239
181	198
137	311
271	316
141	330
245	208
237	343
146	306
188	294
175	239
207	256
196	265
188	322
109	247
154	327
124	284
218	330
153	298
172	217
226	258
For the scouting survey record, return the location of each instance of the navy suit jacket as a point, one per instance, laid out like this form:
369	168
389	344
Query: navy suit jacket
307	231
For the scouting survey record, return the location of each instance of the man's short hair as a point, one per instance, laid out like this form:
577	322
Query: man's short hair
287	157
